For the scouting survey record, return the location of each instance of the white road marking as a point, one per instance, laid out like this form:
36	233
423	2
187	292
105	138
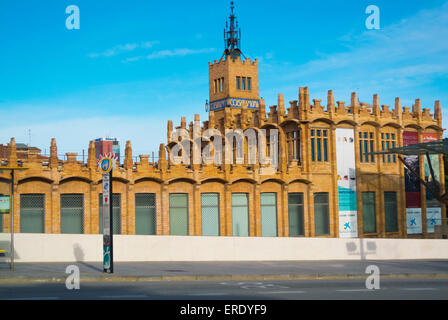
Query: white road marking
34	298
280	292
123	296
418	289
354	290
206	294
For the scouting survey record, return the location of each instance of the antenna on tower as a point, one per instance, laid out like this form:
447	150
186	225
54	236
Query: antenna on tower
232	36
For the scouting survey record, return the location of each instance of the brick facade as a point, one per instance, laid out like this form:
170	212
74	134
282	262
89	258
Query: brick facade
53	177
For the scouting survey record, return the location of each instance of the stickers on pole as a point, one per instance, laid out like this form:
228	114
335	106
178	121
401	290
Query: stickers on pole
106	163
106	204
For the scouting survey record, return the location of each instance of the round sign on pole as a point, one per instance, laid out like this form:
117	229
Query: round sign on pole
106	163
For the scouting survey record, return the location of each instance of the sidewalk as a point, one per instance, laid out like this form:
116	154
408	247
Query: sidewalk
224	271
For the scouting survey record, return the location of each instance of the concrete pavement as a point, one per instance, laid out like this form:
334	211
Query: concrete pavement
222	271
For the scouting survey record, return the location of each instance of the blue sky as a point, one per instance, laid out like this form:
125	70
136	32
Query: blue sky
133	65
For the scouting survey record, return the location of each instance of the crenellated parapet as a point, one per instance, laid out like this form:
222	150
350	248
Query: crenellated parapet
301	114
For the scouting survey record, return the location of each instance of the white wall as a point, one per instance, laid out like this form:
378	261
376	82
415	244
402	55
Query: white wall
69	248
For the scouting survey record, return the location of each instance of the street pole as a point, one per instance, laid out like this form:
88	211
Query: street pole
111	203
12	219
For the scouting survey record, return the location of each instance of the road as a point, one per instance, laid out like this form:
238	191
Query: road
349	289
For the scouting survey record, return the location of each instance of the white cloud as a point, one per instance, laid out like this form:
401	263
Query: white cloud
170	53
128	47
422	36
407	59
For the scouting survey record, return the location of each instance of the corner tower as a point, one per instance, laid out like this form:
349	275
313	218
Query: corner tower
233	80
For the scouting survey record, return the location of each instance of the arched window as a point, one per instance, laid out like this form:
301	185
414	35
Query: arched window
292	133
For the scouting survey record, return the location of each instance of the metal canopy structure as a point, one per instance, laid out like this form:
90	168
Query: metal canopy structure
427	149
433	147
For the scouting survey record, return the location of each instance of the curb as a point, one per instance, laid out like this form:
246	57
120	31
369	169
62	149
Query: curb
276	277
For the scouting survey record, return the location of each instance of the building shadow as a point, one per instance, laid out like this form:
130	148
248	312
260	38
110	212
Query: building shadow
361	248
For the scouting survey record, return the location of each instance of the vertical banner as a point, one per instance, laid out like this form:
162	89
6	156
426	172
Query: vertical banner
106	163
345	151
412	187
433	209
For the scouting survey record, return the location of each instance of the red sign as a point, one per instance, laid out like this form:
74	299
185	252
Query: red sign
429	137
410	138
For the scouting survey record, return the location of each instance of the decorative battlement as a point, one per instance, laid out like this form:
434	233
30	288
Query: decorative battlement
225	60
356	113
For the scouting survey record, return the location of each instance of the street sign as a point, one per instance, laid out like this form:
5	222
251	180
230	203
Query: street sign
4	204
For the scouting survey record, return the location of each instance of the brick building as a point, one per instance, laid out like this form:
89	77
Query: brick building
327	183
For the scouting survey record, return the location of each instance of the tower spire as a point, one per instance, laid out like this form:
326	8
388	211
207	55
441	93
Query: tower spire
232	36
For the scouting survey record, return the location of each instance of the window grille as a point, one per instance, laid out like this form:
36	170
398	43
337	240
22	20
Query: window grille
321	214
269	214
72	213
145	213
210	214
240	214
296	217
179	214
32	213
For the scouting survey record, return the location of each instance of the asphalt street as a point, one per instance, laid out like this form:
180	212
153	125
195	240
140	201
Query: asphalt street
350	289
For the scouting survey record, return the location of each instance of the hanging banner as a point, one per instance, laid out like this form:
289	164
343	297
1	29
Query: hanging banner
4	204
345	150
431	201
433	210
412	187
414	220
433	218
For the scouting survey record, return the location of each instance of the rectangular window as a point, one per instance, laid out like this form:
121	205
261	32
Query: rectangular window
116	213
321	214
145	213
249	84
390	211
240	214
269	214
295	213
244	83
32	213
313	152
238	83
179	214
210	214
72	213
388	141
223	85
319	145
366	147
368	212
293	144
